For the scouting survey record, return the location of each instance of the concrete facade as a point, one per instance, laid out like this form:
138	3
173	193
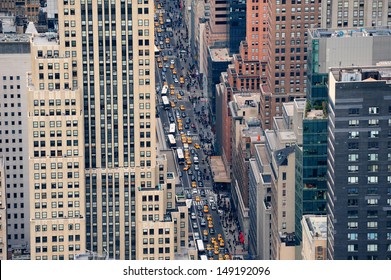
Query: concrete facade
355	13
314	237
3	213
15	62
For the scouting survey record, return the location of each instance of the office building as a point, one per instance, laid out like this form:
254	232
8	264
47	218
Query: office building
56	154
355	13
22	8
3	213
328	48
15	62
358	161
314	237
288	22
236	24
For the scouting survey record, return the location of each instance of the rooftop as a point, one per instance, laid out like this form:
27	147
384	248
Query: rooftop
44	39
13	37
281	156
349	32
218	170
254	132
381	72
220	54
317	225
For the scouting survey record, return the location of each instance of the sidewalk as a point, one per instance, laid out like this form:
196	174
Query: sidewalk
231	232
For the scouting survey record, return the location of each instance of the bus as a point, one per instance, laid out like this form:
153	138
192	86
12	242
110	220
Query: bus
166	103
172	141
200	246
164	90
172	128
157	51
181	158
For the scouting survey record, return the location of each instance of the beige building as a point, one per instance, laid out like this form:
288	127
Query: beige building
56	154
355	13
279	154
3	213
314	237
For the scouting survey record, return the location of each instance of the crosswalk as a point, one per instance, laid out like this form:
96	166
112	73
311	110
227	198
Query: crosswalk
208	193
193	137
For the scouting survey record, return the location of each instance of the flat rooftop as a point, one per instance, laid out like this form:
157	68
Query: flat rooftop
218	170
44	39
246	100
220	54
315	114
11	37
254	132
349	32
381	72
317	226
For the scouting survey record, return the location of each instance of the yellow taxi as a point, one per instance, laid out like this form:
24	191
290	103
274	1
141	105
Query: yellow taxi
181	80
205	232
193	184
221	257
189	140
206	209
183	138
187	155
188	162
219	237
197	199
210	224
179	97
172	104
222	243
216	250
165	84
160	65
172	91
159	59
182	107
161	22
227	257
208	247
209	218
197	146
165	58
172	86
186	168
174	71
180	127
213	240
172	66
159	30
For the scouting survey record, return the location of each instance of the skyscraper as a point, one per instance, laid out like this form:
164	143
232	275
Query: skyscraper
358	164
355	13
15	61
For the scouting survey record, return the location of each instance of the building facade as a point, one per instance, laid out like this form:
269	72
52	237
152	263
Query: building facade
15	62
355	13
358	178
3	213
314	237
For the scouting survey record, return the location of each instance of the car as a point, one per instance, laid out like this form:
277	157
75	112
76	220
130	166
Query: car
181	92
221	257
193	216
193	178
190	172
196	167
213	240
201	184
193	184
210	224
195	191
219	236
209	217
187	167
188	196
197	199
197	146
183	115
211	200
188	133
206	209
172	120
164	69
222	243
176	80
205	238
187	127
202	222
202	193
172	61
205	232
182	108
212	231
227	257
208	247
179	96
216	250
160	65
213	206
195	226
170	33
199	179
200	214
210	254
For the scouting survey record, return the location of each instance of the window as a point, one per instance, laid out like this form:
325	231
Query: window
352	236
372	247
373	110
353	248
